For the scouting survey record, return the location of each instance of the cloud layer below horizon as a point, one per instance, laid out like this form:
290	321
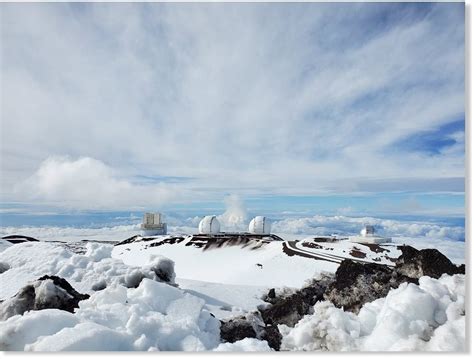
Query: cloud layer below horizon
110	106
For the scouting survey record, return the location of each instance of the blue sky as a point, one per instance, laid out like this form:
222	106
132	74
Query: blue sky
354	108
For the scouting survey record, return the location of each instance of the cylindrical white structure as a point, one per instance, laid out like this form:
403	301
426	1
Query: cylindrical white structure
367	231
260	225
209	225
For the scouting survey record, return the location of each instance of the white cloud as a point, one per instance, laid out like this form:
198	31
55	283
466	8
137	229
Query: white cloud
326	225
87	183
245	98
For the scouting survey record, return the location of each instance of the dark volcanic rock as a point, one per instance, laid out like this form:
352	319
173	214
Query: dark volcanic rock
272	335
430	262
16	238
291	308
250	326
237	329
46	292
358	283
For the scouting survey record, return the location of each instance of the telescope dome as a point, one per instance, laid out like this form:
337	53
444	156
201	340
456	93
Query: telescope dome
209	225
260	225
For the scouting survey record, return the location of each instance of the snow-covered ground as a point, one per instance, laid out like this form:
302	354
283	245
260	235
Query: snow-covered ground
158	316
219	283
267	266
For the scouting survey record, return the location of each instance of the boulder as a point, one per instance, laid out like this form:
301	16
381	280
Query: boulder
46	292
250	326
291	308
358	283
430	262
237	329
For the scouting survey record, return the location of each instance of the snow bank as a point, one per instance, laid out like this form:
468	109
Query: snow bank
87	272
429	316
84	336
247	344
21	330
153	316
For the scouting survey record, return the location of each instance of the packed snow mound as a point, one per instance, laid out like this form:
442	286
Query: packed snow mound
21	330
153	316
88	272
329	328
247	344
429	316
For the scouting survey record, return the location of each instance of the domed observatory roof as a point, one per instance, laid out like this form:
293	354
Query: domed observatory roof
209	225
260	225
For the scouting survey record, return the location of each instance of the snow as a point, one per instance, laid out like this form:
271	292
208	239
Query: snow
154	316
429	316
225	300
84	337
73	234
247	344
92	270
228	265
329	328
4	245
346	249
21	330
131	308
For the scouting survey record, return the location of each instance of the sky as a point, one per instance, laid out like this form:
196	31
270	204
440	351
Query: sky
348	108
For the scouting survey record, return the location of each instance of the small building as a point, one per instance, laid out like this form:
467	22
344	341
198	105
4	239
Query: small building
260	225
153	224
368	230
367	235
209	225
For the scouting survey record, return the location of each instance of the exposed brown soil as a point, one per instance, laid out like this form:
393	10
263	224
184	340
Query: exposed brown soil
355	252
375	247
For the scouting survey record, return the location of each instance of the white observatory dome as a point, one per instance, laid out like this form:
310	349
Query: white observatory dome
260	225
209	225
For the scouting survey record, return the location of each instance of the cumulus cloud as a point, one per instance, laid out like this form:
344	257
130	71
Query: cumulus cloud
87	183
